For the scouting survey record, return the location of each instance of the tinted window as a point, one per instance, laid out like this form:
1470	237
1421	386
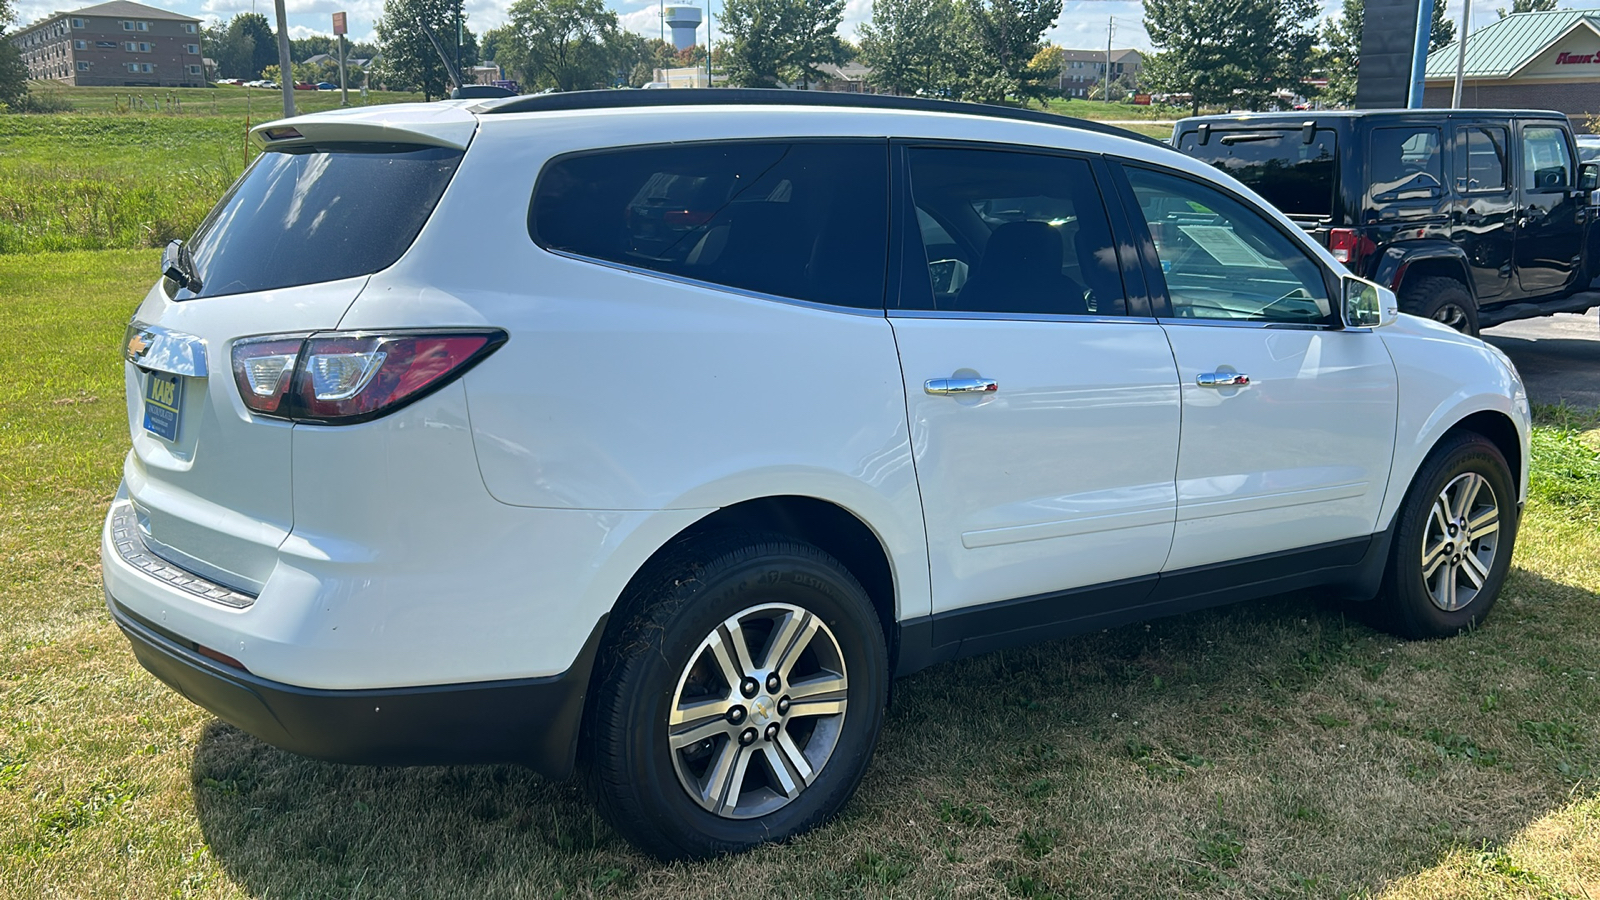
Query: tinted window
320	215
801	220
1289	173
1546	162
1480	158
1405	163
1223	260
1011	233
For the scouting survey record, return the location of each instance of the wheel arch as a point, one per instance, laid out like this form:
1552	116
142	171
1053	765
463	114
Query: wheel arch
1498	428
1403	264
836	530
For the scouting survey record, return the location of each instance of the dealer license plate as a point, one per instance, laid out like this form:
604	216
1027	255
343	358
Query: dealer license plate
163	404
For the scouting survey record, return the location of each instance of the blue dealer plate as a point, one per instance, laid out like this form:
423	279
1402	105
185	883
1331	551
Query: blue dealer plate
163	404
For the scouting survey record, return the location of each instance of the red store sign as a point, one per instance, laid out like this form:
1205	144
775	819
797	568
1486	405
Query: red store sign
1568	59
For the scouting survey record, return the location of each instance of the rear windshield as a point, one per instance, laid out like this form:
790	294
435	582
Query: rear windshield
307	216
1291	174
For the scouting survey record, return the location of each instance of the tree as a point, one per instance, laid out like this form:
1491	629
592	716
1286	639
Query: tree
772	41
242	46
566	45
1339	57
1522	6
1000	38
1444	30
409	59
13	77
1230	53
311	45
907	46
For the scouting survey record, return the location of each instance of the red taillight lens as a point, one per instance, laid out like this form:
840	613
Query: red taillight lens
1349	247
340	379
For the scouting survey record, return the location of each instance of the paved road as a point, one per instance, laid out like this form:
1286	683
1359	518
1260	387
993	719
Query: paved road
1558	356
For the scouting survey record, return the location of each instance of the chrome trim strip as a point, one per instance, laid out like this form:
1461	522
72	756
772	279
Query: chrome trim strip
1247	323
1017	317
130	546
164	350
874	313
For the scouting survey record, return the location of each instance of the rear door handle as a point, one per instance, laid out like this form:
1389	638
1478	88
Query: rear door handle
960	385
1222	379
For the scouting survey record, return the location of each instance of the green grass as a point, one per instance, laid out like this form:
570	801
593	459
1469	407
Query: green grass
226	101
97	179
1095	109
1273	749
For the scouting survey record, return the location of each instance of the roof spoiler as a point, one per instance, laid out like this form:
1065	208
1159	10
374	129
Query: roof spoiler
449	126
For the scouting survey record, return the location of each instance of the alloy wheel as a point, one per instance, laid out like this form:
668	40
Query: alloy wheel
1459	543
757	711
1452	315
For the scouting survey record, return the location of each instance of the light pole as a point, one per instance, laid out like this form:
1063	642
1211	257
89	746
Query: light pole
1461	54
285	64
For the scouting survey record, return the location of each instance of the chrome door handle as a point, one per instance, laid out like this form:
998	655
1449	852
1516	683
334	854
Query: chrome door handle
960	385
1222	379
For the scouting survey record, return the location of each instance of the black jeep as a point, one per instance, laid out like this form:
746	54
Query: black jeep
1472	216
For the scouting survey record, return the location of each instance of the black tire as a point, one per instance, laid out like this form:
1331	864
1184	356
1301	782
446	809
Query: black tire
1444	300
675	606
1408	596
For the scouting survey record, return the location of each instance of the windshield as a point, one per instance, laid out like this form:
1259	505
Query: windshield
301	217
1291	174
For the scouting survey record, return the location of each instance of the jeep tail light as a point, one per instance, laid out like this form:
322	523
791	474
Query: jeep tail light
341	379
1349	247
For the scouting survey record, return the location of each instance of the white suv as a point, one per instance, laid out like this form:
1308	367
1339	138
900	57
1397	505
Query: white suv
662	429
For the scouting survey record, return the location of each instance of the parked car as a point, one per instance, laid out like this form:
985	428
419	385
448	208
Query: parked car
304	86
327	86
1588	147
1473	217
664	439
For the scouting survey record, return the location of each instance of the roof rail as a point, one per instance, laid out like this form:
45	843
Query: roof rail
630	99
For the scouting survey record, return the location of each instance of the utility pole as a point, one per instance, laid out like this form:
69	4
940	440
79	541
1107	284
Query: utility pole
710	22
1111	29
1461	54
339	29
285	64
458	36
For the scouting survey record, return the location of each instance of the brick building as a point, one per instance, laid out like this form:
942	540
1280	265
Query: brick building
1533	60
120	43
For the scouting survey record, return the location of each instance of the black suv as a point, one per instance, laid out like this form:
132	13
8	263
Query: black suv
1472	216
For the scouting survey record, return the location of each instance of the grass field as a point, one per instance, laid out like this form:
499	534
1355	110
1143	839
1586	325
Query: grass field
1275	749
97	179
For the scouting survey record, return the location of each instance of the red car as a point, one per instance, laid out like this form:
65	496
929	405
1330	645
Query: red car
302	86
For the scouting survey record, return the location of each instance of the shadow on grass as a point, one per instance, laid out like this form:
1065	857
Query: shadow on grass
1278	746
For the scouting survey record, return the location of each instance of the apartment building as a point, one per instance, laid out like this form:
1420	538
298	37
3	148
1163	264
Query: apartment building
1083	69
120	43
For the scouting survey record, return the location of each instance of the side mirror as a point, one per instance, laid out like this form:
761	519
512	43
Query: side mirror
172	265
1589	176
1367	305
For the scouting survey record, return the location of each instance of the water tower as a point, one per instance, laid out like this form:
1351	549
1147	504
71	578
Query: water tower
684	22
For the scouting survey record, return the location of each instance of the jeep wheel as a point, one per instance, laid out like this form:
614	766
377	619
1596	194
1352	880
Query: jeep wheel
741	702
1453	539
1444	300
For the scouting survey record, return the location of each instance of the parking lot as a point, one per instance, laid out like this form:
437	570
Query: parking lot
1558	356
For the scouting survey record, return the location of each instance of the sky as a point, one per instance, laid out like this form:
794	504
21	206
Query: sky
1082	24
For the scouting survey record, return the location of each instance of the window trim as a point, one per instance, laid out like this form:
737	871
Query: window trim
1574	159
1447	169
904	233
889	281
1161	296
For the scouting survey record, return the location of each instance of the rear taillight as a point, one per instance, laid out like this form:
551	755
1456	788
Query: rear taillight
341	379
1348	246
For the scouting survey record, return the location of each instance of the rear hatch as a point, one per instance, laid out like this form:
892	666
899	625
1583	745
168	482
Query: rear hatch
333	199
1294	166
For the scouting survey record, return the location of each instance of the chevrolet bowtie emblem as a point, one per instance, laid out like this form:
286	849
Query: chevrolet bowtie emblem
138	345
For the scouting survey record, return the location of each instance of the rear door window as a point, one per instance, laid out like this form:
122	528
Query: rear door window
804	220
1480	159
1006	232
1405	163
320	214
1291	173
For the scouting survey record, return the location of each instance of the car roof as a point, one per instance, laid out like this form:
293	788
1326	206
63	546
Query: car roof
706	97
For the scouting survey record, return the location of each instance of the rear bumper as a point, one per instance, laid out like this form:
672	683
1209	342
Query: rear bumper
532	721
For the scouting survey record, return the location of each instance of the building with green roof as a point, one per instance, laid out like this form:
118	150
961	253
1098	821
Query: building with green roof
1532	60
